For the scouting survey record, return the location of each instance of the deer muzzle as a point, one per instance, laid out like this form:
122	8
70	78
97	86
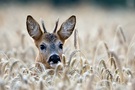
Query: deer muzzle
54	60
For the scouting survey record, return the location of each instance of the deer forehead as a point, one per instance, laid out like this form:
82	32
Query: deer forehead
50	37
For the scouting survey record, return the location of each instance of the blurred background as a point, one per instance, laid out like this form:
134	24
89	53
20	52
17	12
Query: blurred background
96	20
105	38
57	3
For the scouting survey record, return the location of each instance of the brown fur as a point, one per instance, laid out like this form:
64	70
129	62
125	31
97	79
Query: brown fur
54	38
48	38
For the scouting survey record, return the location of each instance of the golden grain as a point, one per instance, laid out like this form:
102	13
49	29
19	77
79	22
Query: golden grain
98	59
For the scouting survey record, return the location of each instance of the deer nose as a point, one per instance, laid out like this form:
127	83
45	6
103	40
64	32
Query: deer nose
54	59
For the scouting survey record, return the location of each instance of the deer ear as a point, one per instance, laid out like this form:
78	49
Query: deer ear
67	28
33	28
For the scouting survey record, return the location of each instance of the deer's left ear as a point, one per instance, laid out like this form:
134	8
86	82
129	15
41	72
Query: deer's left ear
33	28
67	28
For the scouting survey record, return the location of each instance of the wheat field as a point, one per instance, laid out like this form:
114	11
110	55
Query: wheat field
100	54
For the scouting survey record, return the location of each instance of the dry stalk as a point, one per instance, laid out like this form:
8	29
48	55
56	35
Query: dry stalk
65	77
71	56
72	62
22	40
40	66
41	86
122	34
2	85
12	66
113	62
90	83
63	60
102	62
107	49
76	44
58	67
119	65
96	53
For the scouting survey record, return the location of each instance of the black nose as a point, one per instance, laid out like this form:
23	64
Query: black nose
54	59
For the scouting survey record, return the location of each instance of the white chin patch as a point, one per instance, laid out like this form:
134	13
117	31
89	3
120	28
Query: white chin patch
53	65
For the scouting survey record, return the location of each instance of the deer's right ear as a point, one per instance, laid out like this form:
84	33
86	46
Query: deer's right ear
67	28
33	28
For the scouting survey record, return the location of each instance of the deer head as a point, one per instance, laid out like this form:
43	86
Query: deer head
50	45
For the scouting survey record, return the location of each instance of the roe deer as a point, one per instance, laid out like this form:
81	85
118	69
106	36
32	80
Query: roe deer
50	45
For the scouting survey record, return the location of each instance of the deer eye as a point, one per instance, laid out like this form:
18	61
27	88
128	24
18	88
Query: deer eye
42	47
61	46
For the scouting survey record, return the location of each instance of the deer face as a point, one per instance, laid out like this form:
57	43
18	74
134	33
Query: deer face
50	45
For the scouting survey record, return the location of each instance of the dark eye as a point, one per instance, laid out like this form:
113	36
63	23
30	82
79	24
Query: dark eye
61	46
42	47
